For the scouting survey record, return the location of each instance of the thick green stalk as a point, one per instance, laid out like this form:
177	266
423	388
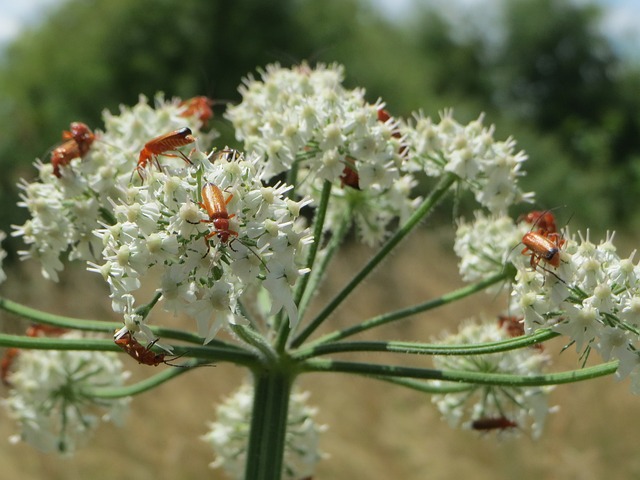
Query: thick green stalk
422	211
267	436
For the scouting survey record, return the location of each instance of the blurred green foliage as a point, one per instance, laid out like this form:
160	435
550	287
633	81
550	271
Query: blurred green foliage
554	82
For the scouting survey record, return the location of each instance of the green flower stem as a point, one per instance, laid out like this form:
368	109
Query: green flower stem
477	378
415	309
86	325
142	386
145	310
268	425
209	352
422	211
317	274
318	226
284	328
55	343
427	387
256	340
426	348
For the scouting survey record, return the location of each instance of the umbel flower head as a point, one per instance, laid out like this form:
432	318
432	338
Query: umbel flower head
488	168
202	266
201	224
593	297
305	122
519	408
51	396
229	435
65	211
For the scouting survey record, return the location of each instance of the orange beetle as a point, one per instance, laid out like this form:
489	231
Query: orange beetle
215	204
543	246
164	145
511	324
35	330
544	220
350	177
139	352
198	107
79	139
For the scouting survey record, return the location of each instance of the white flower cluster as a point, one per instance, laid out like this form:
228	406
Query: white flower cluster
65	211
488	168
50	396
488	407
593	297
204	225
165	233
3	254
304	120
230	433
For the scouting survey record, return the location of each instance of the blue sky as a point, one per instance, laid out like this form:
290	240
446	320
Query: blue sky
621	22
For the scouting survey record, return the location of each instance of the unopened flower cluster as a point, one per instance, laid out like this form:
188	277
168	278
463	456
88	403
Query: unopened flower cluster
593	298
523	407
51	397
488	168
304	120
66	211
485	244
229	435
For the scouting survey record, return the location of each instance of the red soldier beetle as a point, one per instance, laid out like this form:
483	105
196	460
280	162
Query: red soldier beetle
79	139
350	178
543	246
35	330
164	145
140	353
511	324
544	220
83	136
5	364
215	204
514	327
199	107
493	423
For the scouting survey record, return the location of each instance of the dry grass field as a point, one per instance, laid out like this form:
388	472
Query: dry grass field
376	431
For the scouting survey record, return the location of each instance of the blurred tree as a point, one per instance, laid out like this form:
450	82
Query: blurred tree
556	70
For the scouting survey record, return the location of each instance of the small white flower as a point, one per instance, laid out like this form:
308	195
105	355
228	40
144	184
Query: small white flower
49	396
229	435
